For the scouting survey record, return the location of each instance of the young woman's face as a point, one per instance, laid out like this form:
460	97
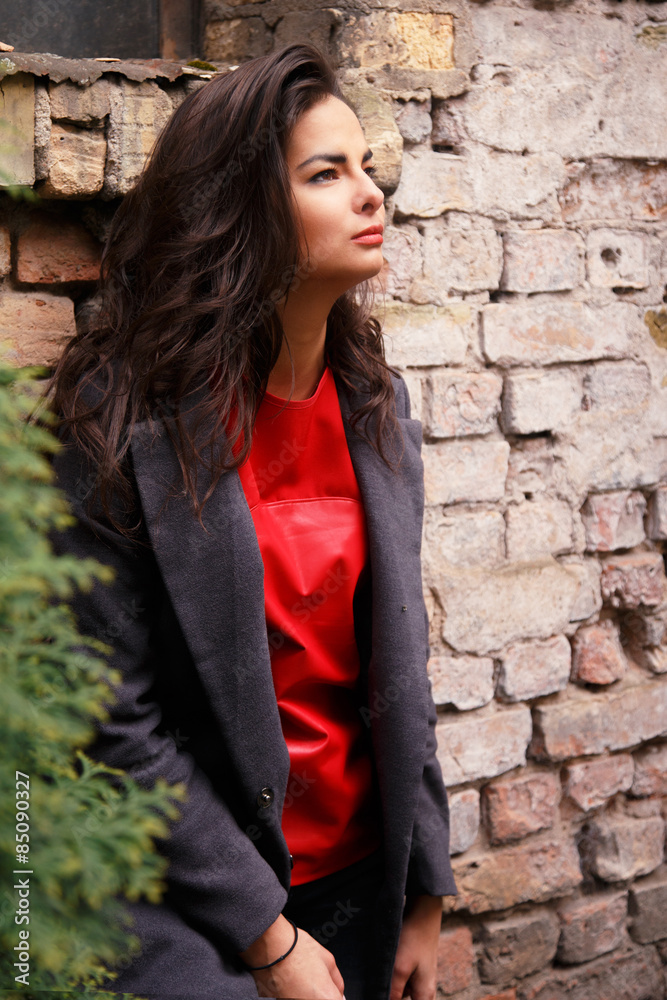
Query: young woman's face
339	207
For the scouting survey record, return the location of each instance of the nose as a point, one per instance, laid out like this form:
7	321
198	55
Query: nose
370	195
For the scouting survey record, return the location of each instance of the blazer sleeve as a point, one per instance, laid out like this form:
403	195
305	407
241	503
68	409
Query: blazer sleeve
429	868
217	879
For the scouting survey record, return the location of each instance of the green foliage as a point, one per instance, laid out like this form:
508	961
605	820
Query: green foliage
91	827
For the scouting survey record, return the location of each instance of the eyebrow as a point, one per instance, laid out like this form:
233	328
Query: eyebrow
333	158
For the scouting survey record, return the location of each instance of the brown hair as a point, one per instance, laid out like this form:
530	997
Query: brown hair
199	252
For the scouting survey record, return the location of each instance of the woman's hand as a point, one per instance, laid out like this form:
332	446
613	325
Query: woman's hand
415	967
309	971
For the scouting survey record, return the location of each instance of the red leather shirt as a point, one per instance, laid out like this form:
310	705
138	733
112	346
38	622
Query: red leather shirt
307	510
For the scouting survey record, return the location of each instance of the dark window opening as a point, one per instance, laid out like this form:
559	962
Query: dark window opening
87	29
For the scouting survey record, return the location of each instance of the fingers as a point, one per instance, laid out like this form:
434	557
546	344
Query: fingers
334	971
419	987
398	981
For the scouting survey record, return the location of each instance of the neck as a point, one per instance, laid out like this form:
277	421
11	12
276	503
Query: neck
301	361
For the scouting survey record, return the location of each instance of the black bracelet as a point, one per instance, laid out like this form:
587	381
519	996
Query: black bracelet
256	968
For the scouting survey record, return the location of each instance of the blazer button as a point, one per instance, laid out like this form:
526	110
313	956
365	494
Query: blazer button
265	798
291	861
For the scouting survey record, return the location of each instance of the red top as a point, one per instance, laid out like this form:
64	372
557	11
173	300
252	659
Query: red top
307	510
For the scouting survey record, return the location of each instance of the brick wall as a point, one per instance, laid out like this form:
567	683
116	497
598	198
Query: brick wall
523	151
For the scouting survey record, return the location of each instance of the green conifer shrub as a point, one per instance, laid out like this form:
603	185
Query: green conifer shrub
90	828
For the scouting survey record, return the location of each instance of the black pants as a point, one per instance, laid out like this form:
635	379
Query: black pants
338	910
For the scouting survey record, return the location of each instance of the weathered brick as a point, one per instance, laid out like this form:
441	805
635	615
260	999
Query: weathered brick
456	471
505	995
589	598
609	451
584	90
613	520
403	39
591	927
586	723
455	960
657	514
224	40
644	635
402	255
539	869
461	403
35	325
648	908
546	260
545	333
614	189
376	117
597	654
462	538
17	110
414	121
483	744
487	609
317	28
5	257
622	975
431	183
53	249
139	112
615	386
76	162
79	105
463	681
515	807
516	947
533	669
426	335
414	387
592	783
650	777
616	258
635	579
618	848
532	468
541	400
483	181
538	528
459	261
463	820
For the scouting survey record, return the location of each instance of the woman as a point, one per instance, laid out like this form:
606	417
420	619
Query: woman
240	452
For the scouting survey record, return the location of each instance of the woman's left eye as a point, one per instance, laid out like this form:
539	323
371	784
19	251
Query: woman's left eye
325	175
331	174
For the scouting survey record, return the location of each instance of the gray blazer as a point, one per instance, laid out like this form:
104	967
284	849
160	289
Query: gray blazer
196	704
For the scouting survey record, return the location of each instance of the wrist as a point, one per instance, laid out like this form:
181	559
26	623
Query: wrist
422	905
270	945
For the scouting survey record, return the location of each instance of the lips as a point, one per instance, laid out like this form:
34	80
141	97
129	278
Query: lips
371	231
370	237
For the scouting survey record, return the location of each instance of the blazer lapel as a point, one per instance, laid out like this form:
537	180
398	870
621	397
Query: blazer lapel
215	580
397	709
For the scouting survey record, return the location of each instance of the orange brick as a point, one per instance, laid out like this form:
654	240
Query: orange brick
455	959
54	249
35	325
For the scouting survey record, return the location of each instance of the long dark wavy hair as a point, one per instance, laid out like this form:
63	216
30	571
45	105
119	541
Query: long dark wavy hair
199	252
